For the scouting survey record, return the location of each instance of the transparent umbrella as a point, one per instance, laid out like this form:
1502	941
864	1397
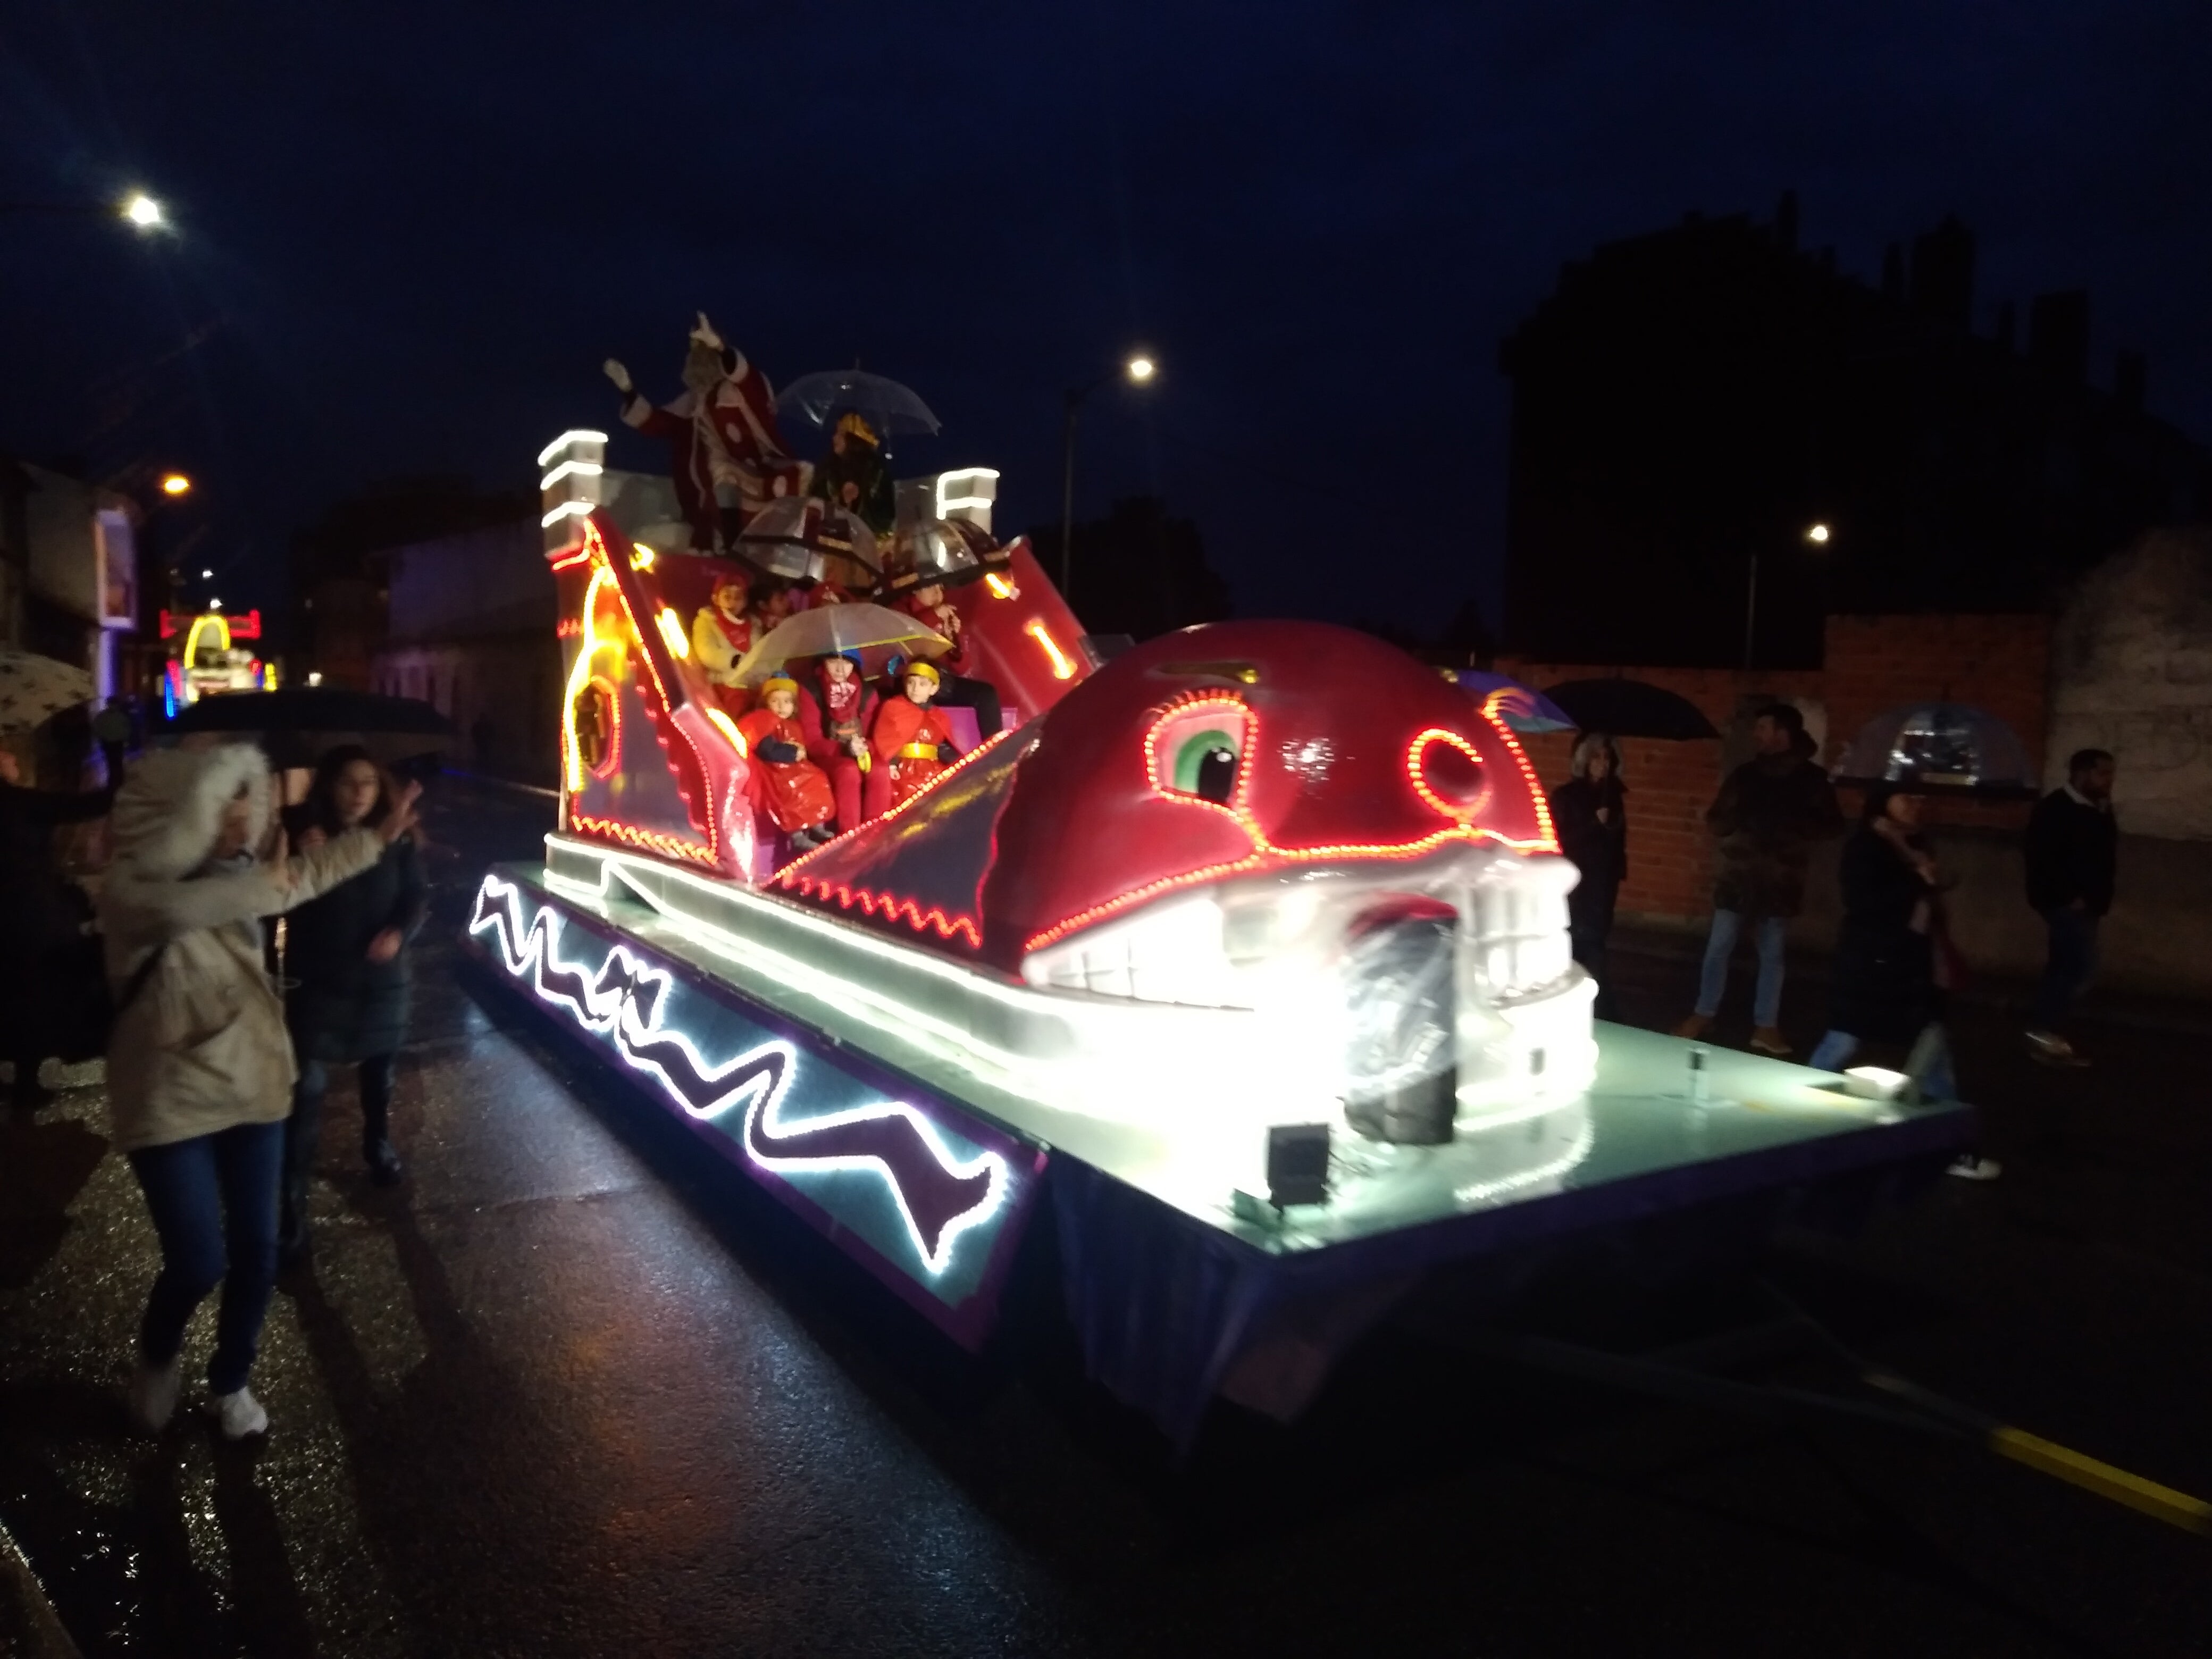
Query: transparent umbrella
875	633
943	553
802	538
884	404
1940	746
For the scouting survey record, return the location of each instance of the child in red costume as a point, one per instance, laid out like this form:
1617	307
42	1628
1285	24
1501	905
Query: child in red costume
721	634
929	606
911	740
836	718
793	792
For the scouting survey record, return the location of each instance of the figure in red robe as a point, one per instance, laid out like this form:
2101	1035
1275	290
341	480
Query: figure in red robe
794	793
721	634
929	606
837	719
911	740
728	457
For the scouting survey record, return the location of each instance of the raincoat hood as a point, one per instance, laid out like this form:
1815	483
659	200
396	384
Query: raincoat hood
169	810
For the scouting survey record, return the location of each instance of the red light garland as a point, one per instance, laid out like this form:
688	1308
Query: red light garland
1264	850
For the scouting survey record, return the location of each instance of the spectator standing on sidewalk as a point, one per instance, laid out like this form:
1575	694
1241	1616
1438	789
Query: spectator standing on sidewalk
48	965
2072	856
1768	814
1590	813
347	952
199	1068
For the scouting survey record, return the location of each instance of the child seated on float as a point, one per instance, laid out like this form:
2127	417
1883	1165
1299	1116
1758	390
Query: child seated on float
794	793
911	740
930	605
837	717
722	633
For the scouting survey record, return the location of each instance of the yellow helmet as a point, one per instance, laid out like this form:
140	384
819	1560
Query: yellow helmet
853	426
918	668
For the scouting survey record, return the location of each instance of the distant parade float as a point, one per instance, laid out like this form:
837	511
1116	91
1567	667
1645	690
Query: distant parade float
1242	951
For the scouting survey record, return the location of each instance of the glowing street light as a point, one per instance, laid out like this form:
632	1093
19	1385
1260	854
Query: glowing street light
207	576
1817	534
1138	369
143	211
176	483
215	604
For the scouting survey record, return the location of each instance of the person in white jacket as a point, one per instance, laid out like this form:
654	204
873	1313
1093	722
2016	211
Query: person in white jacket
199	1067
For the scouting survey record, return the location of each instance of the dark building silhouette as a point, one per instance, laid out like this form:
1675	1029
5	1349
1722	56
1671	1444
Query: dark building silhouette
1687	399
340	568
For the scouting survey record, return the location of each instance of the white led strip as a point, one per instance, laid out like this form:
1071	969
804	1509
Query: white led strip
759	1078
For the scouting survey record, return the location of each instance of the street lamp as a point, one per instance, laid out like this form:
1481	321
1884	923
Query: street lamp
176	483
1138	369
1816	534
143	211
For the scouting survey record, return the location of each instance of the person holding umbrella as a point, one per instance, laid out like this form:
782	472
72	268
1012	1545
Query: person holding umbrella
836	717
1590	813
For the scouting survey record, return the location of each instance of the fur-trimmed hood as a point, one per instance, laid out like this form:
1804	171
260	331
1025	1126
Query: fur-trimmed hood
169	809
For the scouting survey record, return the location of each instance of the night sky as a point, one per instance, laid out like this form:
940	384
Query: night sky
408	234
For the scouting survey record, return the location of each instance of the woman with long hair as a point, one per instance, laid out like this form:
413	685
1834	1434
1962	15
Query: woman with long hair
1589	812
1894	961
346	953
199	1070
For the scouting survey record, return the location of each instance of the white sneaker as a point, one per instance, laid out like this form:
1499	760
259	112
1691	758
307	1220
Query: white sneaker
241	1414
153	1394
1971	1168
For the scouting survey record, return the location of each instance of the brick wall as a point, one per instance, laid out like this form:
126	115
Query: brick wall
1872	664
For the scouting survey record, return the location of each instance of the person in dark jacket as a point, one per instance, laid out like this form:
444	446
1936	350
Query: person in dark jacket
1590	815
347	953
1768	814
2072	848
49	965
1891	969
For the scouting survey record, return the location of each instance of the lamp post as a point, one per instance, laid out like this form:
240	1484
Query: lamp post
1817	535
1138	370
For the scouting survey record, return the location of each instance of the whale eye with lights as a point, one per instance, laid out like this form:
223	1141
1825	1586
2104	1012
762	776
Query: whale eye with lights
1197	749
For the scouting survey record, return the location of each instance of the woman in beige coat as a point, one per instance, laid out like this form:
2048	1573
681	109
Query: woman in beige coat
199	1068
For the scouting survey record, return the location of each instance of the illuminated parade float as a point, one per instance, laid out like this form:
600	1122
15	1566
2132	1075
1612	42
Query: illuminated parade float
1240	954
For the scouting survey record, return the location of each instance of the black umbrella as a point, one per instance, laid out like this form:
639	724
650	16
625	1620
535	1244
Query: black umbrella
1630	708
308	719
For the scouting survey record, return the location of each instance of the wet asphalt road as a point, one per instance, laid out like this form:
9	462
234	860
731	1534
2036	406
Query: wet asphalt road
568	1392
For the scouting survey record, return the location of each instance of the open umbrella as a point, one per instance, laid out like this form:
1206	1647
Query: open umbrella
1630	708
877	635
885	404
35	688
306	719
1519	708
942	553
1939	746
802	538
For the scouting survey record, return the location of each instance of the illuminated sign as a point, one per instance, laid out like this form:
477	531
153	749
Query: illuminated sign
928	1191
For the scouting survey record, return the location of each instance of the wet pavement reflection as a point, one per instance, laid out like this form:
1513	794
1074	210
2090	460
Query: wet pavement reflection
568	1391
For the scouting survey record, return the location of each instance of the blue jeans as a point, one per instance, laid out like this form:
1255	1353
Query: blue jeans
1720	946
304	1129
214	1203
2073	959
1837	1049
